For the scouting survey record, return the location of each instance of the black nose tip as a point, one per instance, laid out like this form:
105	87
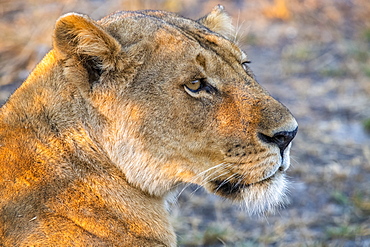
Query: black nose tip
281	139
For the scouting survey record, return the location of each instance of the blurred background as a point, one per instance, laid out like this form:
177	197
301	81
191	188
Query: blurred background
312	55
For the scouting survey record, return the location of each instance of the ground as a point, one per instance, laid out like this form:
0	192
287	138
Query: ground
312	55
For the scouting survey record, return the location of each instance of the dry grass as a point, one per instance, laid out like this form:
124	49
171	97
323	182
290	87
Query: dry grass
312	55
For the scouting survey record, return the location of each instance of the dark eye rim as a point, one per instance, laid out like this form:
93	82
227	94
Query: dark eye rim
245	64
204	86
246	68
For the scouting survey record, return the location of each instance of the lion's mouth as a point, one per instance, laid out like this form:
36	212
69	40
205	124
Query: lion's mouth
258	196
232	189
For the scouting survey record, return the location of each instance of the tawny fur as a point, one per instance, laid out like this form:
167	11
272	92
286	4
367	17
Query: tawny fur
107	125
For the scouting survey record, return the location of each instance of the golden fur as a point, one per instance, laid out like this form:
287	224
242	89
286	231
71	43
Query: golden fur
119	113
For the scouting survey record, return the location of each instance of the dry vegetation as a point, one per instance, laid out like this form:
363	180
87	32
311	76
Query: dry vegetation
314	56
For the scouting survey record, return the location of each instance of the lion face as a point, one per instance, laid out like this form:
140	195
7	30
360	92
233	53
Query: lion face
180	104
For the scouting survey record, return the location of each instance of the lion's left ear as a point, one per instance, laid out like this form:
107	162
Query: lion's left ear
77	34
219	21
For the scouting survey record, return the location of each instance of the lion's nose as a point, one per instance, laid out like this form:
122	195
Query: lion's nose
281	139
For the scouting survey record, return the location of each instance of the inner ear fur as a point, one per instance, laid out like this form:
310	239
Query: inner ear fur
219	21
78	35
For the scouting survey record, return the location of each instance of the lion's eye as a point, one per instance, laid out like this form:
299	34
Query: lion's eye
194	86
245	65
247	69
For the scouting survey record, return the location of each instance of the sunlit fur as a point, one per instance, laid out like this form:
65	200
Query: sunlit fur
105	128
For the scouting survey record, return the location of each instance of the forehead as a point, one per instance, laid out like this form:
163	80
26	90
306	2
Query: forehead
168	30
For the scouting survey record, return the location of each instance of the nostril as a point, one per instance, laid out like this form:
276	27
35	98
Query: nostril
281	139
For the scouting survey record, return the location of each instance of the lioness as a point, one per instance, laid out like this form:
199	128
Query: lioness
119	113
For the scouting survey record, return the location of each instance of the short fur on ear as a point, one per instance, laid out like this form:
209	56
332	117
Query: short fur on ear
219	21
77	34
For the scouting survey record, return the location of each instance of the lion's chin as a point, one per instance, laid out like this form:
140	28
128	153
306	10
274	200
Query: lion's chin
258	198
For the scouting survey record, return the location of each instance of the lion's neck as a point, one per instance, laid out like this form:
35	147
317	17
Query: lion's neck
141	169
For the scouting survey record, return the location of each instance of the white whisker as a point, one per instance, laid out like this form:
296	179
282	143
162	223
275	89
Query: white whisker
225	181
204	180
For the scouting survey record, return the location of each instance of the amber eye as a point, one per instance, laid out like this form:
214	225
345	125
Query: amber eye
194	86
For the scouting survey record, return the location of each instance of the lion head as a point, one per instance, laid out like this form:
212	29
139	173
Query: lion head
172	100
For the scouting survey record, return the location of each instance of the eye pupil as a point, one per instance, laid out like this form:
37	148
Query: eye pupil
198	85
194	85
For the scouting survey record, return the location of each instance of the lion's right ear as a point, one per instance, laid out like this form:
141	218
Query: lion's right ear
77	34
219	21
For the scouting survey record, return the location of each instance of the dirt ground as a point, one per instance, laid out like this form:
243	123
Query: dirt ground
312	55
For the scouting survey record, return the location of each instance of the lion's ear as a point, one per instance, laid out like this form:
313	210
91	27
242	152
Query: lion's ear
77	34
219	21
